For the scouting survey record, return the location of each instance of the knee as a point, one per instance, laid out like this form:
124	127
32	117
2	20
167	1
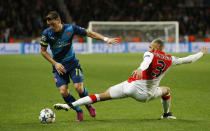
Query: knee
165	91
79	87
64	92
105	95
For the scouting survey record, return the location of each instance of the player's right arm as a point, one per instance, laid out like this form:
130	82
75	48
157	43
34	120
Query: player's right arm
59	67
190	58
148	57
44	43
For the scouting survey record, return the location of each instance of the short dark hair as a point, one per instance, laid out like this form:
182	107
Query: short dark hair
52	15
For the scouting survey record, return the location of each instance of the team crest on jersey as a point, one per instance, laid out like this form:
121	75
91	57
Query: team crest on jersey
52	38
81	28
43	38
68	34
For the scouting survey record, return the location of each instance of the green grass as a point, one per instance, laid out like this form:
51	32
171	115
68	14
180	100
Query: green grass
26	86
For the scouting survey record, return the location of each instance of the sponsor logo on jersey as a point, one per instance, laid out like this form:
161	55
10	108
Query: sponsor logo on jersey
68	34
60	44
52	38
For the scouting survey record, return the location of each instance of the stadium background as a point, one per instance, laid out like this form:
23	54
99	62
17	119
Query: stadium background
26	81
22	22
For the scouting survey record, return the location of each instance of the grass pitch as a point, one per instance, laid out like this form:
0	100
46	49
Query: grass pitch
26	86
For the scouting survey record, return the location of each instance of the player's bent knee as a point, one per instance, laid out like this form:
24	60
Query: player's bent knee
168	90
64	91
165	91
79	87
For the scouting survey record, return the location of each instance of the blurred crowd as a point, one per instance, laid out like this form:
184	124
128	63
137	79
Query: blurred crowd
25	19
193	15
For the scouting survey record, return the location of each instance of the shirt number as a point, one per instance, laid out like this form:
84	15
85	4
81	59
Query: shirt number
160	68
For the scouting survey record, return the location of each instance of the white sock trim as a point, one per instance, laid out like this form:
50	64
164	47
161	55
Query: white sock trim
98	97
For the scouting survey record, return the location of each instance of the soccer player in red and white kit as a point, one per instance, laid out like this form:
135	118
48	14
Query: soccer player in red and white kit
144	83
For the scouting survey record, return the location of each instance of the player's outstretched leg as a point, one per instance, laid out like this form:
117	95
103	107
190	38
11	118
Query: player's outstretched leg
112	93
84	101
166	100
60	106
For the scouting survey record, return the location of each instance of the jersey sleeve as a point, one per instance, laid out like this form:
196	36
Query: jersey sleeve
79	30
185	60
44	39
148	57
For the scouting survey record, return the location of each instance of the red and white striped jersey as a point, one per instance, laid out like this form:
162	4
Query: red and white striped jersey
156	64
160	63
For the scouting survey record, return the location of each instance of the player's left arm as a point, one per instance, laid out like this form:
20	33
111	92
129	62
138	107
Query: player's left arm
190	58
148	57
98	36
84	32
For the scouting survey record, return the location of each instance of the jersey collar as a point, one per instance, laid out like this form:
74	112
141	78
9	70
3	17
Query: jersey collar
160	52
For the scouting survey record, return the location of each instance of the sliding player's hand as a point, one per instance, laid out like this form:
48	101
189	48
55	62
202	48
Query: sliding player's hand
113	41
60	68
137	73
204	50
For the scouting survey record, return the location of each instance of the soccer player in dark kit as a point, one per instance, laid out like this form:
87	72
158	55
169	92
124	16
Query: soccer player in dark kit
59	37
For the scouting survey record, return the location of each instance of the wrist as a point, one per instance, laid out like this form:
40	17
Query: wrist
139	68
54	63
201	52
106	39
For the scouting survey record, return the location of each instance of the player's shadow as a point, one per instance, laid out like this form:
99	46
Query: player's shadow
146	120
133	121
125	120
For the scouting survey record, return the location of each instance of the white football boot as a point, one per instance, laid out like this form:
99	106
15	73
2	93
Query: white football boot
60	106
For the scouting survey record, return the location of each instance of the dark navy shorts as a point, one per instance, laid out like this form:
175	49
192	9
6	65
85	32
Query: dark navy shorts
75	74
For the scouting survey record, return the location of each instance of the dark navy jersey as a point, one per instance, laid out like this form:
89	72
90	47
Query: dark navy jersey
61	44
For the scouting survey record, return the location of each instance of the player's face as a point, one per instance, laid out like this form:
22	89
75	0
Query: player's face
54	24
153	47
